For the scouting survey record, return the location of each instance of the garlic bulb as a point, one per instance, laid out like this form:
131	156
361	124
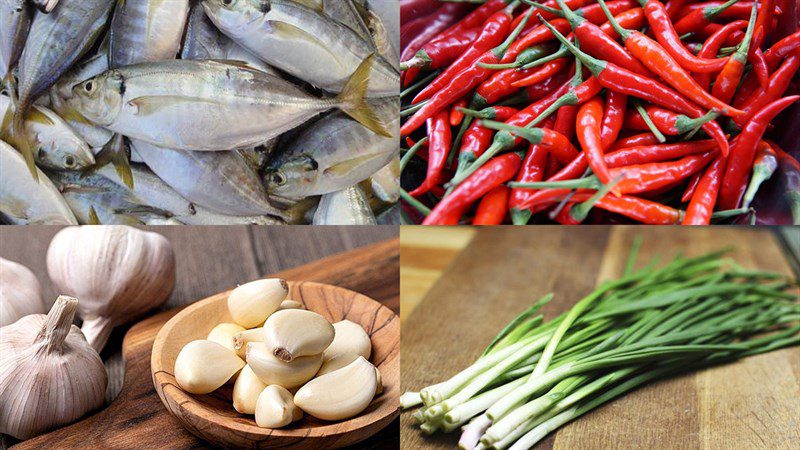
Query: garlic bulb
275	408
297	332
250	304
343	360
20	294
241	339
203	366
272	370
350	338
223	334
49	375
118	272
340	394
246	390
290	304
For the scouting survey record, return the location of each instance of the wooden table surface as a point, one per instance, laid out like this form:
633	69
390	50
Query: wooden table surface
754	403
209	260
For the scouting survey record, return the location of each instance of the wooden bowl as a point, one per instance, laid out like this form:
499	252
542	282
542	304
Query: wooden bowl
212	417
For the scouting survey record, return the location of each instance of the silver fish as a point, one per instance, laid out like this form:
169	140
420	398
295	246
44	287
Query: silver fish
207	217
15	20
220	181
24	201
332	154
45	6
146	31
302	42
151	190
384	37
385	182
347	207
203	40
345	12
55	42
56	145
207	105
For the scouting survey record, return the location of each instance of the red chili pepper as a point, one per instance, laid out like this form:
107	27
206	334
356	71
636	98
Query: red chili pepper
756	59
555	142
590	119
699	18
540	74
691	187
635	141
778	83
665	34
493	32
493	208
639	209
477	137
660	61
631	19
424	29
411	9
711	48
441	52
739	10
674	8
741	158
496	172
501	84
766	9
456	115
701	207
728	79
666	121
565	120
533	167
616	104
622	80
460	85
439	135
781	49
764	165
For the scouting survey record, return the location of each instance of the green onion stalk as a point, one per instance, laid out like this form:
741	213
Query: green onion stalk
538	375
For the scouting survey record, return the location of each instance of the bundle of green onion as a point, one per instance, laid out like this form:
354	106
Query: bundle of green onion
535	376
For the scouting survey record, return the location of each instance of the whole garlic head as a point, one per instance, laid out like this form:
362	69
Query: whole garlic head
275	408
20	293
350	338
118	272
49	375
340	394
291	333
272	370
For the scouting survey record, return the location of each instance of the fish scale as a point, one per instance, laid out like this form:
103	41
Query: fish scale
146	31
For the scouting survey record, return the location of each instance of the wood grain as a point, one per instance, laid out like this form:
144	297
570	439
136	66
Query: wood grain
212	416
754	403
210	260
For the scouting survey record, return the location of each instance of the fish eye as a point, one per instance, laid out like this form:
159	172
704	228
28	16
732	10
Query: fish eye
265	6
41	153
69	162
278	178
227	2
89	86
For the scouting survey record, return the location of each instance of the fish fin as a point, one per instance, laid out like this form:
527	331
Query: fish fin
15	134
93	218
38	116
72	115
147	105
346	166
352	99
312	4
115	152
14	209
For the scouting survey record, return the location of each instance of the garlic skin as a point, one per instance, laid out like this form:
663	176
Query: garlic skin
118	272
223	334
203	366
251	303
275	408
350	338
246	391
292	333
20	293
241	339
272	370
340	394
49	375
290	304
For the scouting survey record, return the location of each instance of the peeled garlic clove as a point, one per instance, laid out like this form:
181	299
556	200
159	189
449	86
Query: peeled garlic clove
275	408
241	339
21	294
49	375
340	394
297	332
202	366
336	363
290	304
350	338
250	304
118	272
272	370
246	390
223	334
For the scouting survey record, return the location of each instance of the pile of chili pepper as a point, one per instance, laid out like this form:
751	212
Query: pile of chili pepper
597	111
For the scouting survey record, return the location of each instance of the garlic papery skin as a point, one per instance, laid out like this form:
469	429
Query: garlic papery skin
20	293
340	394
223	334
350	338
49	375
297	332
275	408
250	304
272	370
290	304
203	366
118	272
241	339
246	391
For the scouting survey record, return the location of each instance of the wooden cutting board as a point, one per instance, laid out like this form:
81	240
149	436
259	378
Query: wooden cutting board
138	419
754	403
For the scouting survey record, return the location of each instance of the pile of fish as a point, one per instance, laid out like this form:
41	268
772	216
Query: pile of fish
199	112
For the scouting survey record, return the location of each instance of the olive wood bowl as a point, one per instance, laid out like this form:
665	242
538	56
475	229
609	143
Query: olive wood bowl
211	417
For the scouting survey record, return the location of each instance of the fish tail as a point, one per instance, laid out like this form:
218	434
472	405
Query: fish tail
13	132
352	102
